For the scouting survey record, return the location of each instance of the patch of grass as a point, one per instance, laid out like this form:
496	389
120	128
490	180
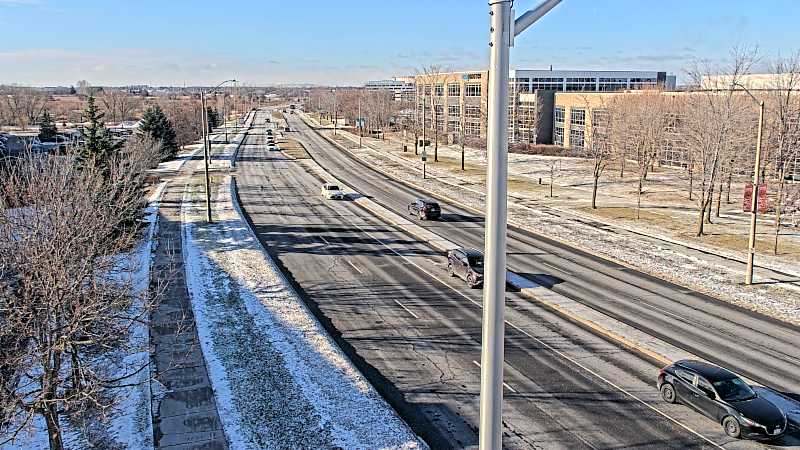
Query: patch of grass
646	217
764	243
294	149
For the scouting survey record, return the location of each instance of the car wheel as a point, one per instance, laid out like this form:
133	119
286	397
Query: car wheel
471	280
731	426
450	270
421	216
668	393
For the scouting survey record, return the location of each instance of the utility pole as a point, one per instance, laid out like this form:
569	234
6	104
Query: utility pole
206	155
360	122
225	116
335	112
754	196
501	38
207	145
423	117
751	247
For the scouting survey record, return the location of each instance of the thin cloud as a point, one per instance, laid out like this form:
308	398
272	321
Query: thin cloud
20	2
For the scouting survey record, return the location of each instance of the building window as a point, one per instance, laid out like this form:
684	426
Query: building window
439	92
454	125
558	114
427	89
439	110
472	90
577	116
473	112
558	135
454	110
575	139
454	90
472	129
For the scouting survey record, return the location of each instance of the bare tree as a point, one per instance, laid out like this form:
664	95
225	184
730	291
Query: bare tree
641	121
554	170
65	312
433	80
600	149
716	122
784	127
25	105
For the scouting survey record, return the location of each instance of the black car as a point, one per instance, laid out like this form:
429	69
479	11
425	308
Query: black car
425	209
467	264
722	396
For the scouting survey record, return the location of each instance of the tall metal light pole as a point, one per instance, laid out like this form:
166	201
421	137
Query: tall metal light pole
335	112
751	248
207	146
225	116
501	38
360	123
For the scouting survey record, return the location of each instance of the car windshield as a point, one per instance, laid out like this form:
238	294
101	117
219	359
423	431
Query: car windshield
733	390
333	187
476	261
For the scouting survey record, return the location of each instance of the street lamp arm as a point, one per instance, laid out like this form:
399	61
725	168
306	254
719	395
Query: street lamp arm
220	85
736	83
531	16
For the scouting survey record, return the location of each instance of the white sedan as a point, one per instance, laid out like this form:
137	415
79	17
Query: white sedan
332	192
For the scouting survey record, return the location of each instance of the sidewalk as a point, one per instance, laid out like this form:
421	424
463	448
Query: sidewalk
185	411
708	271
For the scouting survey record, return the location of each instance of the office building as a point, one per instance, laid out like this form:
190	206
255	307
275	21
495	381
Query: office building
455	99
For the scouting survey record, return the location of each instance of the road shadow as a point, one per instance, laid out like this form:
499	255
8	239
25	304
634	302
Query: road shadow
542	279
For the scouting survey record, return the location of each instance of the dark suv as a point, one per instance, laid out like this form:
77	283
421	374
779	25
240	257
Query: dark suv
723	397
467	264
425	209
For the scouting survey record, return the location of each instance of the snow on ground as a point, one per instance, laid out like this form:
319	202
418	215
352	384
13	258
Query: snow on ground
279	380
129	424
662	261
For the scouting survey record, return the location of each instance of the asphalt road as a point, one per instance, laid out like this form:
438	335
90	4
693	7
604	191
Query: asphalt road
756	346
415	333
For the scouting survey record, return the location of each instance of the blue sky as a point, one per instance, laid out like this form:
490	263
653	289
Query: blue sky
57	42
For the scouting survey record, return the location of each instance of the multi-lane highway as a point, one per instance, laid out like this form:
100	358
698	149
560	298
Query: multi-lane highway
415	332
756	346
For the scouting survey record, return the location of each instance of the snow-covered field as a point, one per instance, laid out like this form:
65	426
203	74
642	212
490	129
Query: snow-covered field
279	380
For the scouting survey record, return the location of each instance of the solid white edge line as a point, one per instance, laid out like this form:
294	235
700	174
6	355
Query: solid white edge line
407	310
354	267
556	268
504	383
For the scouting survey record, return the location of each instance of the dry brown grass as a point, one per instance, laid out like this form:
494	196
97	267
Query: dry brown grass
739	242
645	217
294	149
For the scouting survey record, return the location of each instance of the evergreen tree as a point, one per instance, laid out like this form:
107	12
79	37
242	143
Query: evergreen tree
213	118
156	125
99	144
72	90
47	128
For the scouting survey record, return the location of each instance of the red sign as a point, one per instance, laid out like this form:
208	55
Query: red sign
764	204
